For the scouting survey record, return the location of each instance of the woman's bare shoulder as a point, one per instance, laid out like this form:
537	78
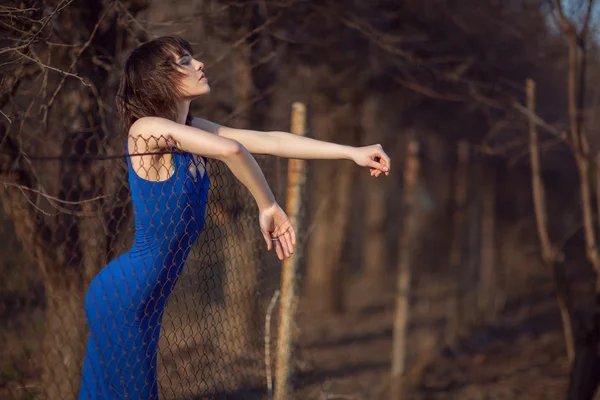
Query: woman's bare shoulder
148	134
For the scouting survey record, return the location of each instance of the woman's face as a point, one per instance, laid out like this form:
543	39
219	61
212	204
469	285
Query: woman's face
194	82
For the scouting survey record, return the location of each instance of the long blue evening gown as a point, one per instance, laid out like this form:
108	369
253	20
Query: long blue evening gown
125	302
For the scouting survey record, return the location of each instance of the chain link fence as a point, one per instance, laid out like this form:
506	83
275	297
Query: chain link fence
212	331
223	307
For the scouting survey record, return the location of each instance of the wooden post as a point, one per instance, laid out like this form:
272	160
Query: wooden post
296	181
406	248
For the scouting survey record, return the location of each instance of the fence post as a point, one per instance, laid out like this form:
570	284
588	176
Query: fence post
296	180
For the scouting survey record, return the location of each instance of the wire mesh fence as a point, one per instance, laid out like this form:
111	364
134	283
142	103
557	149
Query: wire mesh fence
189	263
199	312
188	291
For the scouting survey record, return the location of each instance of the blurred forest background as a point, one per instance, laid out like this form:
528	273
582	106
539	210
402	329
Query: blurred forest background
487	225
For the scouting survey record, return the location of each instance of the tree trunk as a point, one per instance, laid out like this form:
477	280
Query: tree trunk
325	274
374	256
550	255
488	291
407	247
585	371
330	185
469	273
64	328
454	316
65	335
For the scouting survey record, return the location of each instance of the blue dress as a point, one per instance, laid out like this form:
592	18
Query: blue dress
125	302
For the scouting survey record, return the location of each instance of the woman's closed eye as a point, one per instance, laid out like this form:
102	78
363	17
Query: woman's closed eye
185	60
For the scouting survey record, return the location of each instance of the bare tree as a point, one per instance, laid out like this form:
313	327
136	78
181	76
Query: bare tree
551	256
488	295
412	220
585	373
455	308
69	222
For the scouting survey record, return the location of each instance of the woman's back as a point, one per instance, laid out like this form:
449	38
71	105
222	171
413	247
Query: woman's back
164	211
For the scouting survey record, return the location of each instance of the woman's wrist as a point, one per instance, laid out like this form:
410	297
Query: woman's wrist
266	205
349	152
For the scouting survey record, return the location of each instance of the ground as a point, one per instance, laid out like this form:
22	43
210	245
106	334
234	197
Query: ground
521	356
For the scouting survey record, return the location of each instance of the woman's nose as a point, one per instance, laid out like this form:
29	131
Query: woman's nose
200	65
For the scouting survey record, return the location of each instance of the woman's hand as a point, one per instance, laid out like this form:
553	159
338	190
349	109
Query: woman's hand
277	230
374	157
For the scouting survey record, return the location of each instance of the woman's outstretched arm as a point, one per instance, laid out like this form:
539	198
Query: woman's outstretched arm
160	133
288	145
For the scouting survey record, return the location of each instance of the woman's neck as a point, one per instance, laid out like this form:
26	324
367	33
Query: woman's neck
183	109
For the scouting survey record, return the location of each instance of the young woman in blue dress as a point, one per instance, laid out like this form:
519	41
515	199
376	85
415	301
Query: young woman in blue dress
168	150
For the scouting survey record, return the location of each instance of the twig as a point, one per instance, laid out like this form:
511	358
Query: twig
244	38
6	116
35	205
12	10
55	69
417	87
81	50
49	197
132	18
537	120
268	344
58	9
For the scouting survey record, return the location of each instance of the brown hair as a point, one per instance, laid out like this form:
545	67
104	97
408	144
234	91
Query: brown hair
149	81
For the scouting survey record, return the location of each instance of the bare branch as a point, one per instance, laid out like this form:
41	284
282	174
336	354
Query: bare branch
586	20
55	69
6	116
49	197
413	85
81	50
539	121
47	19
565	24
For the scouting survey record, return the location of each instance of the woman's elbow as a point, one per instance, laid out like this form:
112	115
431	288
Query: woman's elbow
231	150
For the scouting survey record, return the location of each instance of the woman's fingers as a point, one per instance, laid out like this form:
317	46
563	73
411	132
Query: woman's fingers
376	173
284	246
378	164
287	237
385	159
278	248
268	239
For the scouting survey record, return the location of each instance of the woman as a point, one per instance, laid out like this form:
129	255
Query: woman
169	187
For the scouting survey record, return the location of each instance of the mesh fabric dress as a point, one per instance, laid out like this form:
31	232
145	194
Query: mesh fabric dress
125	302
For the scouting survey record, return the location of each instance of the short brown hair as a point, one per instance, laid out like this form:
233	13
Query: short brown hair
149	80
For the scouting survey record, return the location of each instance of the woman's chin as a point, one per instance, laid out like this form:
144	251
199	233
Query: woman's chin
204	90
200	93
